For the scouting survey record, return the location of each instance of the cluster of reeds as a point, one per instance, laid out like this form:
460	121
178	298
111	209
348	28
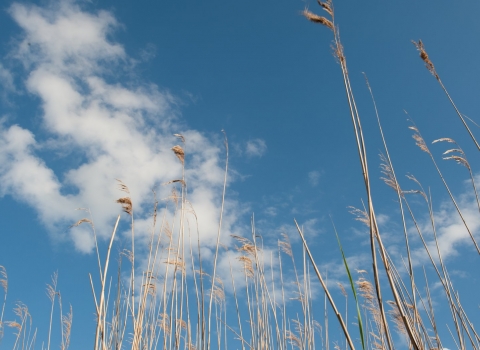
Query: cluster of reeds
180	302
25	334
411	311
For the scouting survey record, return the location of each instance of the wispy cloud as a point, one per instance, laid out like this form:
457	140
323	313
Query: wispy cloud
451	232
7	84
114	127
255	148
314	177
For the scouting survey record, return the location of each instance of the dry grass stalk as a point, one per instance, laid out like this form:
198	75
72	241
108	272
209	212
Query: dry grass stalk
324	286
420	192
293	339
175	181
421	143
374	232
397	318
52	293
81	221
4	285
372	243
182	324
367	292
164	323
23	338
180	136
424	56
67	329
218	294
176	262
461	159
3	279
217	245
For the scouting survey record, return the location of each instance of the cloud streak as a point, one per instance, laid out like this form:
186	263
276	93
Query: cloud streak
255	148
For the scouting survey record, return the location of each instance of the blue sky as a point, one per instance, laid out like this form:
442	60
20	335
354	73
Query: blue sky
92	91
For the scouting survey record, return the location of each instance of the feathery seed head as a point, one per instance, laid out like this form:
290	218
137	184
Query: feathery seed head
14	324
342	289
294	340
424	56
122	186
444	139
360	215
126	203
397	317
247	265
3	279
419	141
81	221
285	245
459	159
389	179
179	153
180	136
327	6
181	323
317	19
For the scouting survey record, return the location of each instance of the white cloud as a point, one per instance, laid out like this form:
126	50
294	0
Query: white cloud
62	37
314	178
116	130
6	81
255	148
309	227
451	232
382	219
271	211
452	235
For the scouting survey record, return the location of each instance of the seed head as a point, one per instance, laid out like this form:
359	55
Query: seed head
126	203
179	153
424	56
317	19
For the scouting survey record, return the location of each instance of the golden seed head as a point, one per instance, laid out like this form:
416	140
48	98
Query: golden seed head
126	203
317	19
424	56
327	6
179	153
